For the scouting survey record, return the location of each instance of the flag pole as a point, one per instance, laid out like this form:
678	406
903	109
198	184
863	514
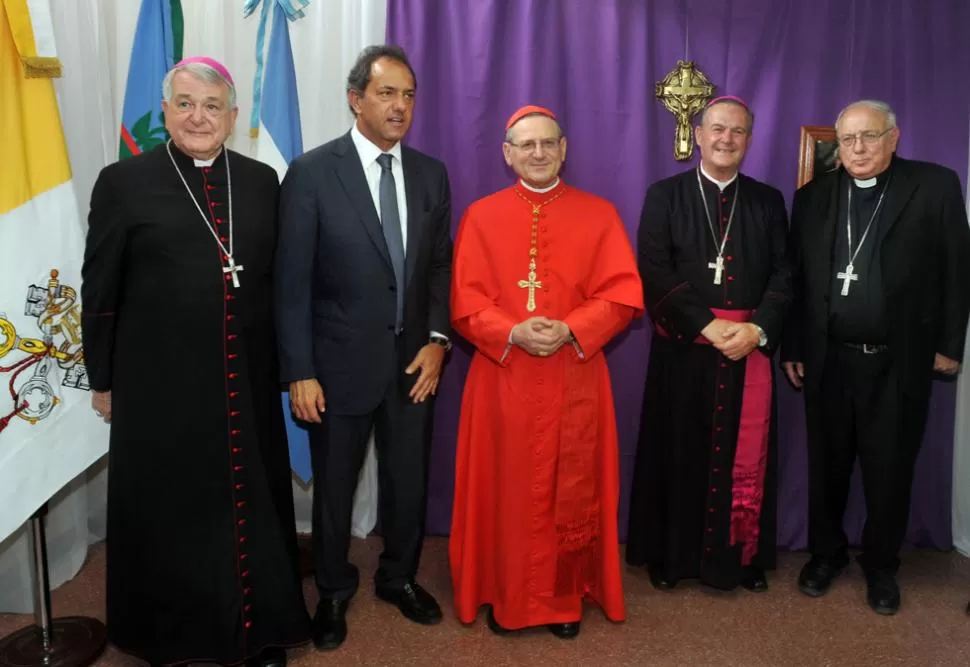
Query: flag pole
72	641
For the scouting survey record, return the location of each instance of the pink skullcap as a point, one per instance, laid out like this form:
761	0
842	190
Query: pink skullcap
527	110
728	98
211	62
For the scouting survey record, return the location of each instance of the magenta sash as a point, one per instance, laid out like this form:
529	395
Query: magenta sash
751	453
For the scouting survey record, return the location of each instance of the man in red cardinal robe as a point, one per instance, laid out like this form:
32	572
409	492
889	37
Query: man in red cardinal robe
544	276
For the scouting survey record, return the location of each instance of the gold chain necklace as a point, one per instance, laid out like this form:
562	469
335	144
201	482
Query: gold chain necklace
532	284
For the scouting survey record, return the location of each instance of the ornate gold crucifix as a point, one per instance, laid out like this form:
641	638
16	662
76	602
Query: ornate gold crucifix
532	284
684	91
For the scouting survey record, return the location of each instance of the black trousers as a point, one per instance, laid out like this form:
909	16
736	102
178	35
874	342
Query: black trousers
337	449
860	412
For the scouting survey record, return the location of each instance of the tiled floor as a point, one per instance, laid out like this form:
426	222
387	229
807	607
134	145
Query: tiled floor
690	626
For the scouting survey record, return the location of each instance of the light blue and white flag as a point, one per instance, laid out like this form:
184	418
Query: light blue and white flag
275	123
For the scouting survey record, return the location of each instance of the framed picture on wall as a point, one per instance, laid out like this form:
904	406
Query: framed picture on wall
818	152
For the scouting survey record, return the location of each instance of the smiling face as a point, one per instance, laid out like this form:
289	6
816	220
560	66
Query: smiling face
535	150
722	138
866	143
385	108
198	116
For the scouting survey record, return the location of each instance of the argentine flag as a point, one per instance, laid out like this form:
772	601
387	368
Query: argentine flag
280	138
276	125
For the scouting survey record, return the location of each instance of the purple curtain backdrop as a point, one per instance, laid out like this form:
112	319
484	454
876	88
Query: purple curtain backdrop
595	62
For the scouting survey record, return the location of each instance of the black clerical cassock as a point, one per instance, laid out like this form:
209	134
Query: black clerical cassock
703	502
202	560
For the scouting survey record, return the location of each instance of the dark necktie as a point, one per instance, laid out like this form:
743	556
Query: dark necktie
391	222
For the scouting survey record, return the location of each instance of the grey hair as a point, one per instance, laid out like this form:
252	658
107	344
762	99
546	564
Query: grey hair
703	112
203	73
875	105
508	132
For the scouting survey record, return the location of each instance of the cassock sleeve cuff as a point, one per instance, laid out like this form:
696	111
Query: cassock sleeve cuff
489	331
952	349
687	323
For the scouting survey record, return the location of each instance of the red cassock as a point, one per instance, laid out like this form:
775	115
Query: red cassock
534	527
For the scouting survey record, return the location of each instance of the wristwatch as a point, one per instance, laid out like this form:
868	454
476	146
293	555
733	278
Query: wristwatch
762	336
440	340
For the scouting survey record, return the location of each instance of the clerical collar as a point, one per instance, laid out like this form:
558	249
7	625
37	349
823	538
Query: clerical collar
722	185
867	183
540	191
878	179
230	268
185	157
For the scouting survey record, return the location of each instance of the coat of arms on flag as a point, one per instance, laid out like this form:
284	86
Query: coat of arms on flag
55	309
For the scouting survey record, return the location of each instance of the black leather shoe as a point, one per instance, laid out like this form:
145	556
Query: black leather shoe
493	624
659	579
564	630
271	657
883	593
330	624
754	580
818	574
414	602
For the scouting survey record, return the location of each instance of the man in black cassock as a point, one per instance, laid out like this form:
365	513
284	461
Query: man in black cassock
716	280
180	346
879	251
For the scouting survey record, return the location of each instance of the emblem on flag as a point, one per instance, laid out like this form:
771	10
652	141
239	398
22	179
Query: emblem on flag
57	313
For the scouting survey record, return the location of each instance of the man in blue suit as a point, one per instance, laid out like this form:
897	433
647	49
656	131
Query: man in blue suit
362	288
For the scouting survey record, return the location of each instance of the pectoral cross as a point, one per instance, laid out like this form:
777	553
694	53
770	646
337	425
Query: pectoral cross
531	284
847	277
234	269
718	266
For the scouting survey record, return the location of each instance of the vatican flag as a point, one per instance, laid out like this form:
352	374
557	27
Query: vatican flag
48	432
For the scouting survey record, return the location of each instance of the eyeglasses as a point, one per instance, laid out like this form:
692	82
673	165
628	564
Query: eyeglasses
868	138
547	145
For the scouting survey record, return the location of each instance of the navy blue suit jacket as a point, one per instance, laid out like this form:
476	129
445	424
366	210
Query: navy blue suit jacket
335	286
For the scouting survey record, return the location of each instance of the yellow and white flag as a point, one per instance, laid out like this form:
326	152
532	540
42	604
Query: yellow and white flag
48	432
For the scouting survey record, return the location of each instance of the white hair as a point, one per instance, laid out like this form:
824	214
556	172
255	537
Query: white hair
875	105
203	73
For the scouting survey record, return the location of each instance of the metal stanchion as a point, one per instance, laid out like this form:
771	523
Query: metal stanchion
73	641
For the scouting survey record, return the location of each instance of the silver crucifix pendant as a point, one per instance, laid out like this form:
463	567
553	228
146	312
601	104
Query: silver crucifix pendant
718	266
847	277
234	269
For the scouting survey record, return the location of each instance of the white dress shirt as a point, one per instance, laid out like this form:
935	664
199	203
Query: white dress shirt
368	153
